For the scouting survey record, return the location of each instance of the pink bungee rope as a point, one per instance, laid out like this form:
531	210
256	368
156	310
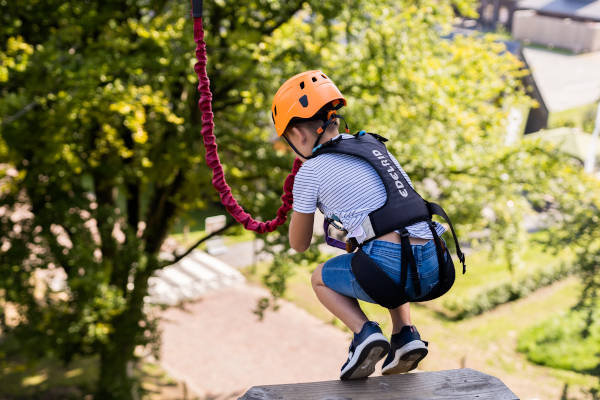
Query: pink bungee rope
212	158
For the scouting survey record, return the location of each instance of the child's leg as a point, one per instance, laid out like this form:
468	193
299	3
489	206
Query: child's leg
407	348
400	317
344	307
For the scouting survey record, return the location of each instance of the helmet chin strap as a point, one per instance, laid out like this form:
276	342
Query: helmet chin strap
331	117
295	149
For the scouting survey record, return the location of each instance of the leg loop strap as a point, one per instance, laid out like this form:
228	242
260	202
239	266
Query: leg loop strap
408	261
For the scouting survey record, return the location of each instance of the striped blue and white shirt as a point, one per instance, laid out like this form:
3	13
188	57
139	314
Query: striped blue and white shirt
349	188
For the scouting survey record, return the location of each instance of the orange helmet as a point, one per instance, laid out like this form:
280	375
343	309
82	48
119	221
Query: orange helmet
302	96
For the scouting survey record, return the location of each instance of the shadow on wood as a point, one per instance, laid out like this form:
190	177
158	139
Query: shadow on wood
456	384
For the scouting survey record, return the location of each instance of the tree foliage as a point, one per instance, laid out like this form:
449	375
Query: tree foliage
101	150
577	225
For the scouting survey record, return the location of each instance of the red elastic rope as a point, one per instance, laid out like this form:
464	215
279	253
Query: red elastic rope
212	158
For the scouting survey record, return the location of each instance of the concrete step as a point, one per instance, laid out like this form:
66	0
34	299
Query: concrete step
190	278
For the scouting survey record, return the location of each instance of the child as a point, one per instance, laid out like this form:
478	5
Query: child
349	188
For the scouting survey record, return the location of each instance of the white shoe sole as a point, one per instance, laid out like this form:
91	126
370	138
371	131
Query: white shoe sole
406	358
364	358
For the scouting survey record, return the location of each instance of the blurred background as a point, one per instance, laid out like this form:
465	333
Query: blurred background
490	106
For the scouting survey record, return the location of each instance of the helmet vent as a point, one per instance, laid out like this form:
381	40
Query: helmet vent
302	85
314	79
323	76
275	110
304	101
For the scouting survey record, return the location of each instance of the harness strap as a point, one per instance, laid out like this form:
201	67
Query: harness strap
375	282
327	143
407	260
438	210
438	251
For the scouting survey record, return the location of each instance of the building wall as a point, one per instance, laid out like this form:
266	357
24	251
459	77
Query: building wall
577	36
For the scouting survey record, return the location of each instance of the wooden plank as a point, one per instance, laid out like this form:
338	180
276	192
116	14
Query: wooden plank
457	384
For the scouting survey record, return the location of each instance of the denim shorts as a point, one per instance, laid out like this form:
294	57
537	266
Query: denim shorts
337	272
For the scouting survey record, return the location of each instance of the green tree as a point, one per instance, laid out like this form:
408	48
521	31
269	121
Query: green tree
101	150
577	225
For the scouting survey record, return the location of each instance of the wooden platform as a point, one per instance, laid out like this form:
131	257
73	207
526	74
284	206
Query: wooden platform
456	384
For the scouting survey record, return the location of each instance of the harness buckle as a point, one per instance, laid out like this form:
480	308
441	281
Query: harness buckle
461	258
333	223
351	245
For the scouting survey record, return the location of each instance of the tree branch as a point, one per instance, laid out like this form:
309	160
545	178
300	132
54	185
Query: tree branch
220	106
133	205
19	114
177	258
160	212
133	188
286	17
105	200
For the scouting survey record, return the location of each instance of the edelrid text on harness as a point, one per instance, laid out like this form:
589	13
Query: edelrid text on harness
403	207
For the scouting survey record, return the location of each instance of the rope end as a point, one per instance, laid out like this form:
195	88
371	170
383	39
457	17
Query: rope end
197	8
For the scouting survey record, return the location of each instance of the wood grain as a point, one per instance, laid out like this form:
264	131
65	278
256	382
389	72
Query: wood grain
457	384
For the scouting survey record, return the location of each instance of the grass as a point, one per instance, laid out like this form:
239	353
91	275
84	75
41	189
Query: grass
21	379
559	342
491	283
582	117
552	49
193	221
232	236
51	379
488	270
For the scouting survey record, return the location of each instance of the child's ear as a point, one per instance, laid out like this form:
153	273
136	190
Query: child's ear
297	134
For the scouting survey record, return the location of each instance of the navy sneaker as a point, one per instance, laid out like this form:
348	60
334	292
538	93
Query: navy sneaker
407	350
367	348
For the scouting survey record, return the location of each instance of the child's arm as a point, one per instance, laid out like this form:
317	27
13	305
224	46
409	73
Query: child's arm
306	192
301	230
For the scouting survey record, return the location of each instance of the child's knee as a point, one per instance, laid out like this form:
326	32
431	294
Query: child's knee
317	276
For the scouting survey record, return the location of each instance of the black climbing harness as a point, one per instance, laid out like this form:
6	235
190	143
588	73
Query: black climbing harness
403	207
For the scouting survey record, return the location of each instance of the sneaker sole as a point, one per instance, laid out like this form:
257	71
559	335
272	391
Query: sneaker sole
363	361
412	353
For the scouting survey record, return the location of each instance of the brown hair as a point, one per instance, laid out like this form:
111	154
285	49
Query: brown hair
316	121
